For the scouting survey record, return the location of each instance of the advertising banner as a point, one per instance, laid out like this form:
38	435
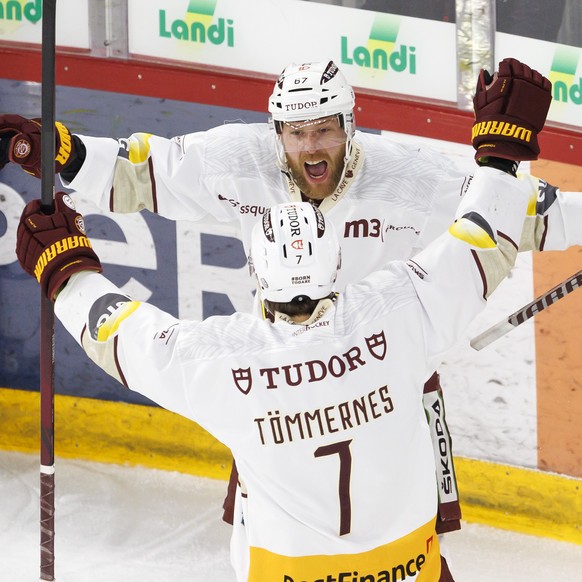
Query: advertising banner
379	51
21	21
375	50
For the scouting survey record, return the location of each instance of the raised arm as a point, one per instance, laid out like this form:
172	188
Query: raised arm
55	250
179	178
510	110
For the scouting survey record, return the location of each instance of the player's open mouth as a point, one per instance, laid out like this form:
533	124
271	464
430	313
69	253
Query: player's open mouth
316	170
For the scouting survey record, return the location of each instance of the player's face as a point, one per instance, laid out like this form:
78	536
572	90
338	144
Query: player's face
315	154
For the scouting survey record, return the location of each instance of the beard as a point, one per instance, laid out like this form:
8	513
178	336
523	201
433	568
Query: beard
317	190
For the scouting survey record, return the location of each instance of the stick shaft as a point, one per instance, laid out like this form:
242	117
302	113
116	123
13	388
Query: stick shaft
48	104
527	311
47	483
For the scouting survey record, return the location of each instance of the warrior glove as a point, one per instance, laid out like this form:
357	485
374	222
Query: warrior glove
20	144
510	110
52	247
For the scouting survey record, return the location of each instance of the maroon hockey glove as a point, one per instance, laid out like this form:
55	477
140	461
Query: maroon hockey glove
52	247
510	110
20	144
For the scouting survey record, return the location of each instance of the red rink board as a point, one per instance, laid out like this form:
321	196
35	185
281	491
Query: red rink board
233	88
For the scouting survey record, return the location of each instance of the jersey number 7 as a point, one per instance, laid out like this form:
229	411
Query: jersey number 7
345	460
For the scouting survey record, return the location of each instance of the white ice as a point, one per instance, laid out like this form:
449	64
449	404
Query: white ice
123	524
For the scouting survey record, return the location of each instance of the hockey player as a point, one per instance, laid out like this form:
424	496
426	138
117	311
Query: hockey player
322	408
387	200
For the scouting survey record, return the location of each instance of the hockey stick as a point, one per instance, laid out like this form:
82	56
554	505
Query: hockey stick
47	316
527	311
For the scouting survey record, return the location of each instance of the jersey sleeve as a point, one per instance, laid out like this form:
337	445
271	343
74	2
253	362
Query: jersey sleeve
443	184
187	177
143	172
448	192
551	223
455	275
95	177
554	217
143	357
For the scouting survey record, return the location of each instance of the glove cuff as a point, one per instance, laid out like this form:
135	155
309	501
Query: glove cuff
506	150
63	258
56	280
505	165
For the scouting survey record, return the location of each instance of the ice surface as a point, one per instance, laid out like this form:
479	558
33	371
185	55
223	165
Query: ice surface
123	524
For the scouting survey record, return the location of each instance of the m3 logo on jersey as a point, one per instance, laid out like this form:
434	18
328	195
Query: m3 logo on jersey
373	228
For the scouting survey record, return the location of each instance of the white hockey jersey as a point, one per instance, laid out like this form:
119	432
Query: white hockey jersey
394	199
325	421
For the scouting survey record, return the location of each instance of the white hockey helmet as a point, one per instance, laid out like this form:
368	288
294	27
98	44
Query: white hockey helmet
311	91
294	252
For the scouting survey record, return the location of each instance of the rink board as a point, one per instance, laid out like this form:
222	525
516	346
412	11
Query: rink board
508	497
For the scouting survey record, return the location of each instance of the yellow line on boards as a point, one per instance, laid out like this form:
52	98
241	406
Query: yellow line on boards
523	500
113	432
513	498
